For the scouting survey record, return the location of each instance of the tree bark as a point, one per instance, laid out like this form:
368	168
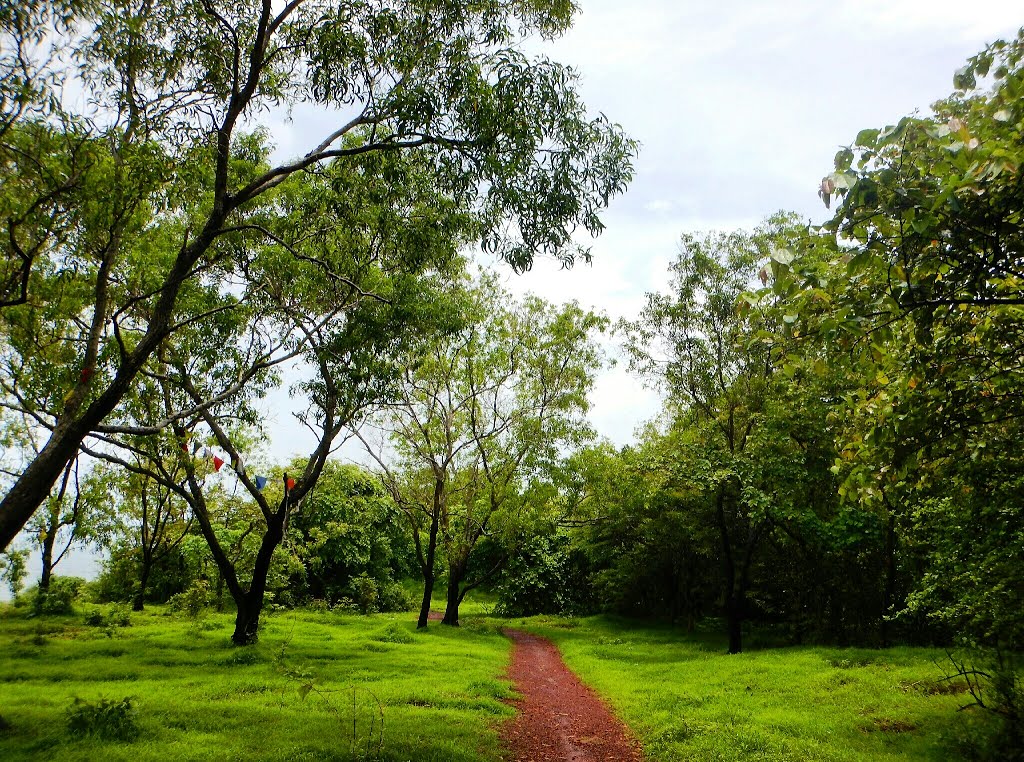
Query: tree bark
428	572
250	606
451	611
47	571
139	603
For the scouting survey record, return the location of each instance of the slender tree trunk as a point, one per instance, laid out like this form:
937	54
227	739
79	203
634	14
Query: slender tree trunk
219	594
47	571
428	592
428	571
733	613
140	598
734	620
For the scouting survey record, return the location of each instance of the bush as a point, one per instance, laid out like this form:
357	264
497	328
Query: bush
60	597
115	616
365	593
394	597
193	601
107	719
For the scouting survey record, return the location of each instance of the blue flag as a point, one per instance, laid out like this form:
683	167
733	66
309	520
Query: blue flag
261	482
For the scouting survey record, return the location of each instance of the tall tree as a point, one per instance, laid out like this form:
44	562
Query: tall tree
481	417
154	186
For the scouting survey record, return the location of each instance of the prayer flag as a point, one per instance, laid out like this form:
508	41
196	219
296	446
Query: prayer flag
217	463
290	483
261	482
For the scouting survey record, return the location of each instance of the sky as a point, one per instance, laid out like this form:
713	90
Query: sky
739	106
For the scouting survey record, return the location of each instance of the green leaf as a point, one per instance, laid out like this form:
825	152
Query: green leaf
843	160
964	79
867	138
783	256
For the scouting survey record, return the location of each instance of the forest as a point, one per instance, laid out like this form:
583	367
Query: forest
830	492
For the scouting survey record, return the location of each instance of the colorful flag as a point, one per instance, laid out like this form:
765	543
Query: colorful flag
217	463
290	483
261	482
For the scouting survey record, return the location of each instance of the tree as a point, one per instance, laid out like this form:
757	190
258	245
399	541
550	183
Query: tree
922	290
477	423
79	513
347	528
134	202
155	521
745	448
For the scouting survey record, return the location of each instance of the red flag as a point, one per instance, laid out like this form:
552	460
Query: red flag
217	463
86	373
291	484
184	447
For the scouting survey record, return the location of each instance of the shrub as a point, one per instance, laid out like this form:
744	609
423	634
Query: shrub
60	597
365	593
193	601
394	597
115	616
109	719
94	618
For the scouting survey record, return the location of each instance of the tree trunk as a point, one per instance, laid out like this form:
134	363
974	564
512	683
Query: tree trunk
247	620
47	571
734	624
428	562
140	598
428	592
451	611
219	594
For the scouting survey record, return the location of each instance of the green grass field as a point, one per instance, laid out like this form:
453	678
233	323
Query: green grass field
200	698
441	691
688	700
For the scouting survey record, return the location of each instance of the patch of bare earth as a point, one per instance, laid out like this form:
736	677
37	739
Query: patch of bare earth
560	719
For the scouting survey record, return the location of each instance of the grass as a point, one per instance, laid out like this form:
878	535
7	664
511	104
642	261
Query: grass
686	699
295	695
288	698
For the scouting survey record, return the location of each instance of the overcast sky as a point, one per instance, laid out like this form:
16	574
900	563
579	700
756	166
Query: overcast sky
739	107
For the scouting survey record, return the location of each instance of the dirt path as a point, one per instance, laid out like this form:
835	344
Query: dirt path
560	719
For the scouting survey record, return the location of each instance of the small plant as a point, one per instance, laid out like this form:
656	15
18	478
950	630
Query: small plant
115	616
59	598
395	633
365	592
109	719
994	683
94	618
192	602
394	597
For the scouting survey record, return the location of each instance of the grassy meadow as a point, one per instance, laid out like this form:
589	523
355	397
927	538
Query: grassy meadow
440	691
687	700
200	698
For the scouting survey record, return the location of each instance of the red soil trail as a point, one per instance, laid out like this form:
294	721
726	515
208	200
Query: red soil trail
560	719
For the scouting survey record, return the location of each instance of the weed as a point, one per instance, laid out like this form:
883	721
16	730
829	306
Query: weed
108	719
